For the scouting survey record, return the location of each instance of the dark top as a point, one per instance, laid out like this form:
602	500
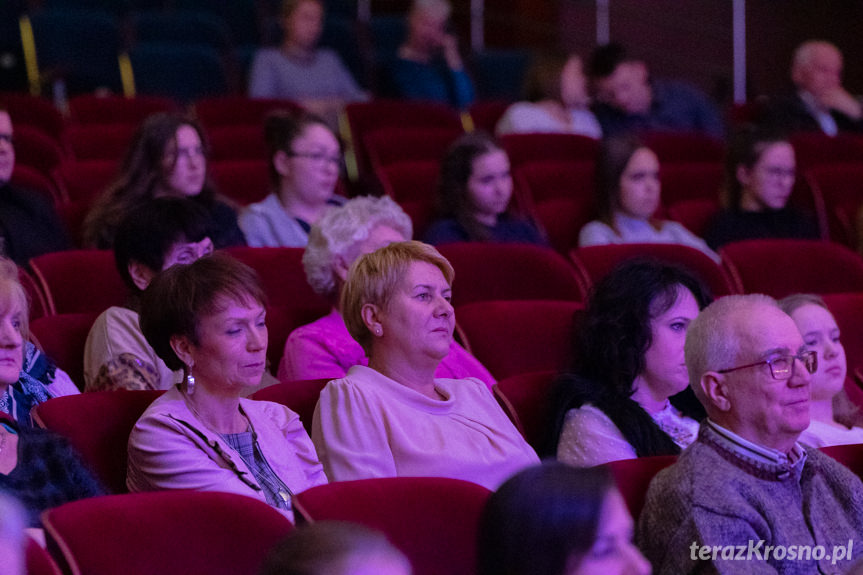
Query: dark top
29	225
434	81
676	107
225	231
789	113
49	473
507	230
733	226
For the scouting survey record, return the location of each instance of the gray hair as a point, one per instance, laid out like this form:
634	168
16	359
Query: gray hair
340	229
712	339
805	52
440	8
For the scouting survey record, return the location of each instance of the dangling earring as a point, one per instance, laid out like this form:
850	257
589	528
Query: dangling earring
190	383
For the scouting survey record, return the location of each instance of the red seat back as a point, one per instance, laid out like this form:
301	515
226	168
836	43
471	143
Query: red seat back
78	281
691	180
237	142
432	520
695	215
301	397
34	111
37	150
239	110
847	309
534	147
99	141
39	561
633	477
684	147
113	109
387	146
243	181
33	180
525	399
165	532
851	456
84	180
485	114
815	148
840	186
98	425
63	337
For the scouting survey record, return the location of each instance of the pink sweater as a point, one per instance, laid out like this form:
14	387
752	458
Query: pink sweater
325	349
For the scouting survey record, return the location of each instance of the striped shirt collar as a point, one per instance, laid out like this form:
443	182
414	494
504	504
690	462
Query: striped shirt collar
746	448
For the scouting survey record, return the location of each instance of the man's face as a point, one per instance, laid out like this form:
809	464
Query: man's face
7	150
764	410
626	88
823	72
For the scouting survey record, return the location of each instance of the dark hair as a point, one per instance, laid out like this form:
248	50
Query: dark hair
453	200
281	128
318	548
542	80
745	149
606	58
177	298
613	156
148	233
609	346
290	6
540	518
141	177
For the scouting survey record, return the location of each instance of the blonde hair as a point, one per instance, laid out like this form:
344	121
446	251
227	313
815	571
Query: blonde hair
13	293
374	277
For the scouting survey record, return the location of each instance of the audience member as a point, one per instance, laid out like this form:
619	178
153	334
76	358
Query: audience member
629	99
393	418
335	548
746	481
299	70
13	541
157	235
167	157
27	376
627	198
759	177
208	319
305	158
29	226
428	65
473	196
556	520
819	102
558	101
324	348
627	363
834	419
41	469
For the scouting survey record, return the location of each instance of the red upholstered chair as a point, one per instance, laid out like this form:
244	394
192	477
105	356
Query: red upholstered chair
563	218
36	149
815	148
284	280
484	115
237	142
633	477
525	399
79	281
99	141
38	303
782	267
98	425
512	337
851	456
300	397
39	561
685	147
390	145
33	111
244	181
62	338
432	520
695	215
690	180
234	110
113	109
165	532
84	179
853	390
551	179
33	180
73	215
524	148
489	271
595	262
847	308
413	185
840	186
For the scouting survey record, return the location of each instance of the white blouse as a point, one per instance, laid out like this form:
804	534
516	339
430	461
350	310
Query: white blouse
821	434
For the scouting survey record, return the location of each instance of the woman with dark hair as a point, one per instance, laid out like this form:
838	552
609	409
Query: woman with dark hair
207	319
557	520
305	161
474	192
628	361
167	157
760	170
627	198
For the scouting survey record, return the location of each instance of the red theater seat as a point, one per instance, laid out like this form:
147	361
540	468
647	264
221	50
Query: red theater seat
68	280
525	399
300	397
633	477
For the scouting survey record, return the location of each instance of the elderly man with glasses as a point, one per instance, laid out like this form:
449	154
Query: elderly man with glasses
746	497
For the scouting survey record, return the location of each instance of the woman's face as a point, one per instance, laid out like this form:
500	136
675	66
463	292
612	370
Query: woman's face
231	354
768	184
310	170
489	187
303	27
419	317
613	552
573	84
11	342
664	363
189	172
821	334
639	185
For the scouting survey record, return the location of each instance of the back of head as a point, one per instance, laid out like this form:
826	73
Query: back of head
605	60
331	548
176	300
341	229
541	519
147	233
437	9
745	149
542	81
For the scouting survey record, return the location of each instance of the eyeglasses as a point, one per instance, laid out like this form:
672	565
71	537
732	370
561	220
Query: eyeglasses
782	367
777	172
318	157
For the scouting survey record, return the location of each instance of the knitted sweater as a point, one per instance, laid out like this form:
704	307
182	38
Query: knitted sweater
713	496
